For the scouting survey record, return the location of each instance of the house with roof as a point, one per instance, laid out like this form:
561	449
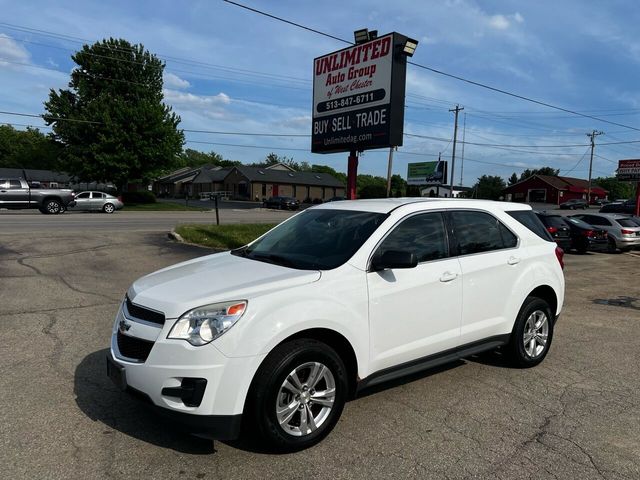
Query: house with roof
250	183
552	189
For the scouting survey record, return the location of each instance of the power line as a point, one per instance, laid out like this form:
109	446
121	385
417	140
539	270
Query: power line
443	73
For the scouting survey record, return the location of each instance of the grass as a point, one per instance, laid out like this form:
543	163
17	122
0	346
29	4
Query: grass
160	207
223	237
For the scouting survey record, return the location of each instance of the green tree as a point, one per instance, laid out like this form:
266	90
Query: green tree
398	186
513	179
554	172
616	188
111	120
327	169
194	158
489	187
28	148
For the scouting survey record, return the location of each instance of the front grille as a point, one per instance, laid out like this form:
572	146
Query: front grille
144	313
134	348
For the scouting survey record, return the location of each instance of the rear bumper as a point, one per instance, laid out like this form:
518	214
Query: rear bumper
598	245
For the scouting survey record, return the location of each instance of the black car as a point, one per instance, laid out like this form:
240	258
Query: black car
282	203
585	237
628	206
558	229
574	203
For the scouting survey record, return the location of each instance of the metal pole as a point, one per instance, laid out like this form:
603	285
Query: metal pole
464	132
389	171
217	214
592	136
352	175
453	153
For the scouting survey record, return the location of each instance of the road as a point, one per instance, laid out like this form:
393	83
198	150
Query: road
29	221
575	416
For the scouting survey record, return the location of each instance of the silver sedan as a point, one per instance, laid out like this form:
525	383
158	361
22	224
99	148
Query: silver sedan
97	201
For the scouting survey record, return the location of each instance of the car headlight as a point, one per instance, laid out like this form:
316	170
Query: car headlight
204	324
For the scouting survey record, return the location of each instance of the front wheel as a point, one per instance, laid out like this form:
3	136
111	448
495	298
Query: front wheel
532	334
108	208
297	395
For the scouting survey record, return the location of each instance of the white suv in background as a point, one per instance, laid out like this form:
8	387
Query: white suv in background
274	337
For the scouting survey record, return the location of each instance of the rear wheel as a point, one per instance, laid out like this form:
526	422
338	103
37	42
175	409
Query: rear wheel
297	395
52	206
532	334
108	208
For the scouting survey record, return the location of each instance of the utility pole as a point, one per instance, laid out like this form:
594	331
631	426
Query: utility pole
464	132
453	154
389	171
592	136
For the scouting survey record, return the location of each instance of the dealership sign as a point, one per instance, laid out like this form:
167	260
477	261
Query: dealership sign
427	173
628	170
358	97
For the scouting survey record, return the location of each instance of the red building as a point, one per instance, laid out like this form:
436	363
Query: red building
550	189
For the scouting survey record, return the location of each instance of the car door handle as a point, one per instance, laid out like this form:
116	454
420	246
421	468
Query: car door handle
448	276
513	260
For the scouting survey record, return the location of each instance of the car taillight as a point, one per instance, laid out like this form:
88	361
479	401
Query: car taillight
627	232
588	233
560	257
552	229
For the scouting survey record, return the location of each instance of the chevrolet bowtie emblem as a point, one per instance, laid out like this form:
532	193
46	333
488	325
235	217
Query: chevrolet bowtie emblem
124	326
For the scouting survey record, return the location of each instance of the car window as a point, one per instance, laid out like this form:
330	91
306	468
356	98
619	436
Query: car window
626	222
15	184
554	221
477	232
84	195
593	220
532	222
97	195
577	222
423	234
4	183
315	239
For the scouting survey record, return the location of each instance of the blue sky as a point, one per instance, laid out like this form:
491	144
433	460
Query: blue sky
232	70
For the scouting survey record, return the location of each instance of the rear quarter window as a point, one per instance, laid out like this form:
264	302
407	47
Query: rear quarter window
532	222
626	222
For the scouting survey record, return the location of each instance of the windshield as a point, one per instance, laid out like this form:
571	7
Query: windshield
626	222
315	239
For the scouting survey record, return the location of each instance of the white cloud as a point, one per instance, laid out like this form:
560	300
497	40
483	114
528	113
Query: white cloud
499	22
518	18
172	80
11	51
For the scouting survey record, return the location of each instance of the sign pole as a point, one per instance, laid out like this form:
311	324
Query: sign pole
389	172
352	175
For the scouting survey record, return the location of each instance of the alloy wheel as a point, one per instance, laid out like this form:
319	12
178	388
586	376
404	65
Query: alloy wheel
536	333
305	399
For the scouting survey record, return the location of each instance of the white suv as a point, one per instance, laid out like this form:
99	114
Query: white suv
276	336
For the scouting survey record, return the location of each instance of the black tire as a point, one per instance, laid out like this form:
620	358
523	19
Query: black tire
515	350
260	412
52	206
108	208
612	247
582	247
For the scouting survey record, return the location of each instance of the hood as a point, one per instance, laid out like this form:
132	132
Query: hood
219	277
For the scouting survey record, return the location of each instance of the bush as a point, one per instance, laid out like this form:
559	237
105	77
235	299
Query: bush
138	197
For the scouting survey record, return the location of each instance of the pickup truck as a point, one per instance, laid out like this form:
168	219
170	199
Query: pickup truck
16	194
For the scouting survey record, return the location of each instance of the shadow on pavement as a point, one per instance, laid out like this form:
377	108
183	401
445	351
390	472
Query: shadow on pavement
102	402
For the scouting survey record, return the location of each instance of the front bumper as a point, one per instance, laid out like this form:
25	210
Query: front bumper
198	388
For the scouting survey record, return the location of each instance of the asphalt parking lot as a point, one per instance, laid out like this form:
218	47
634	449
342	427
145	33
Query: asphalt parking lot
576	416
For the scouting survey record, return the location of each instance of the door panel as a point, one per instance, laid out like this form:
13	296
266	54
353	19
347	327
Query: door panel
415	312
83	201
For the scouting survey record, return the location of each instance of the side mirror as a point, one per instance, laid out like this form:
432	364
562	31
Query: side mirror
394	259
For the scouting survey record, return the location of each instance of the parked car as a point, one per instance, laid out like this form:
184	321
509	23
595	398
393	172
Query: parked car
282	203
557	228
585	237
277	335
97	201
336	199
628	206
623	233
17	194
574	204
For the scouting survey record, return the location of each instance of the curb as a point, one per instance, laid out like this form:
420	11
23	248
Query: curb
173	235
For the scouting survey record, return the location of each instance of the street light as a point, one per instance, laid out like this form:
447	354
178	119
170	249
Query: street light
361	36
409	47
